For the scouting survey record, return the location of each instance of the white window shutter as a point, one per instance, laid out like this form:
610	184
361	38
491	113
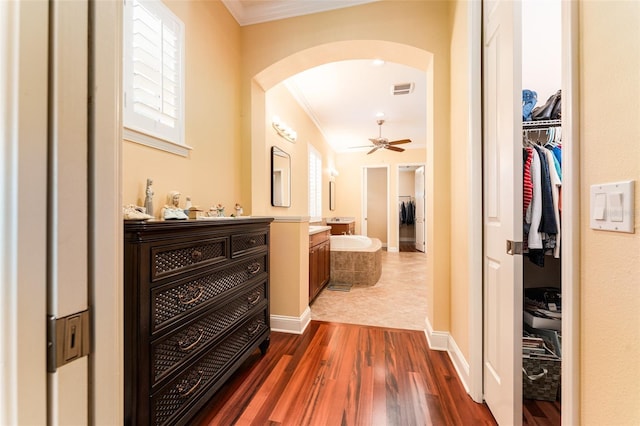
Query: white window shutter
154	78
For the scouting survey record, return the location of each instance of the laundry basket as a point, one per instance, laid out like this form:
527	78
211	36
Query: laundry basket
541	378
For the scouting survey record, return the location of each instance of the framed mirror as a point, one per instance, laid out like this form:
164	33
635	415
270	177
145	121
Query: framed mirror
332	195
280	178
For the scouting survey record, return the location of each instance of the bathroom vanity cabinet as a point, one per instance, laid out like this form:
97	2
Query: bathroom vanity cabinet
196	305
319	262
342	228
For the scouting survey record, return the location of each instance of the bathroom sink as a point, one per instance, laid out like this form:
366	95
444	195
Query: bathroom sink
341	220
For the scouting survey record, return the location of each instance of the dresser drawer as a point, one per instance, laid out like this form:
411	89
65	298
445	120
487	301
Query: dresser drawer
168	260
183	297
193	382
169	351
242	244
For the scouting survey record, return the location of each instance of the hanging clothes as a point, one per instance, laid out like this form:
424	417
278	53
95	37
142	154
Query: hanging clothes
542	181
411	213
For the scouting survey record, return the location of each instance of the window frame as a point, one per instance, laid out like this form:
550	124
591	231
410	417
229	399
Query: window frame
136	127
315	191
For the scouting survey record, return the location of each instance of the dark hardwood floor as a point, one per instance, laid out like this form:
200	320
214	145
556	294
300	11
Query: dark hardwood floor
343	374
541	413
407	246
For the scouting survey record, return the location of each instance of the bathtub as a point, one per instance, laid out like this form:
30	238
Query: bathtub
356	260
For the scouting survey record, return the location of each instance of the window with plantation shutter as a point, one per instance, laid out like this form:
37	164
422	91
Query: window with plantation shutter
153	76
315	185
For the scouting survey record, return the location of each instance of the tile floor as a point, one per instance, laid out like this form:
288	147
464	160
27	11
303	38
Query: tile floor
398	300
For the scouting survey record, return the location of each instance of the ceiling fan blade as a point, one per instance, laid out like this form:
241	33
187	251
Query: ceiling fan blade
360	146
394	148
373	150
398	142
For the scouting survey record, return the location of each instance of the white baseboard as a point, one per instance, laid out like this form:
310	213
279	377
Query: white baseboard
438	340
459	363
392	249
443	341
292	325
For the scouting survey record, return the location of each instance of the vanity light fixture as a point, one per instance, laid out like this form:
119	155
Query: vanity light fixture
283	130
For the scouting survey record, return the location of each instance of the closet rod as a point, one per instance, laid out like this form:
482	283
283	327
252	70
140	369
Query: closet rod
540	124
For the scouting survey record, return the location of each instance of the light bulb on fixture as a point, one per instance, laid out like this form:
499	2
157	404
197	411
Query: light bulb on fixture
283	130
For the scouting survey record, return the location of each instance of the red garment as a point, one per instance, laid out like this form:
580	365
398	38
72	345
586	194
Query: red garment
527	189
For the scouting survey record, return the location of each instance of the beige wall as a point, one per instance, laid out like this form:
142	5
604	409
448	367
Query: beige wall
289	280
278	101
460	166
211	173
610	151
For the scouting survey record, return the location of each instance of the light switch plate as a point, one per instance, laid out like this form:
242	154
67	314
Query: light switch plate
612	206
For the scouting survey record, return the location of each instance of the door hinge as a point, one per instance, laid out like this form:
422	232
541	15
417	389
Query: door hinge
514	247
68	339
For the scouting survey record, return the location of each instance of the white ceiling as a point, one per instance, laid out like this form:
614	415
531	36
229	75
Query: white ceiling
343	98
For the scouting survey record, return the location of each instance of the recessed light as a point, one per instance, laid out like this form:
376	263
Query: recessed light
378	62
379	114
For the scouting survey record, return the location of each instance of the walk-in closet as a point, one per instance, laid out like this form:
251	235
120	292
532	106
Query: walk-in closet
542	207
411	208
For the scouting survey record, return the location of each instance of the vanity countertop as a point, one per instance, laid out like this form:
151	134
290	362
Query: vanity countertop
315	229
335	220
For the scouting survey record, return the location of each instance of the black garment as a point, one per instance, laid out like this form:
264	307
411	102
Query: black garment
548	223
403	214
411	213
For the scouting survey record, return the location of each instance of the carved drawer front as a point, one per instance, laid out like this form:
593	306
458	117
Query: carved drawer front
176	258
168	352
247	243
168	303
194	381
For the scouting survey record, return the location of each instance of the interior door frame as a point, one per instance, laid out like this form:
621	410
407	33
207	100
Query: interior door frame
570	210
412	164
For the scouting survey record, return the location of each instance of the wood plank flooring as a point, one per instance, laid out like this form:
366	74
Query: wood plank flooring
344	374
541	413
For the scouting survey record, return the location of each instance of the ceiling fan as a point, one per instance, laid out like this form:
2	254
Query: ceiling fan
381	142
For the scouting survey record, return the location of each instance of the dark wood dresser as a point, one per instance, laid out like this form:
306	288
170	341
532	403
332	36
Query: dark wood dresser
196	305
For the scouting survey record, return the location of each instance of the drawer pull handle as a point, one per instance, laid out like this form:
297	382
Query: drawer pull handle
254	268
196	255
252	241
182	388
191	295
254	298
253	328
188	342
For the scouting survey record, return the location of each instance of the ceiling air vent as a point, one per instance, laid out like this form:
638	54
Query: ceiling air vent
402	89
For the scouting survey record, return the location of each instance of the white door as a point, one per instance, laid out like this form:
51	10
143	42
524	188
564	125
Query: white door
376	203
68	204
44	50
365	190
23	218
419	217
502	215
